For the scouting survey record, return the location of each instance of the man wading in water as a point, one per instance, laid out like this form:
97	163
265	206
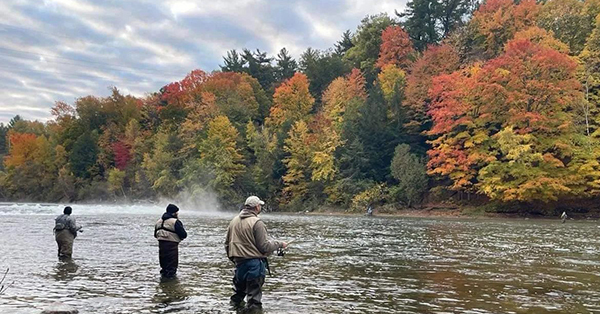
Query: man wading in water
65	232
248	246
169	232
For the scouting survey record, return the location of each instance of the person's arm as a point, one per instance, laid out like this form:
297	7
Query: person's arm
227	238
180	230
72	224
263	244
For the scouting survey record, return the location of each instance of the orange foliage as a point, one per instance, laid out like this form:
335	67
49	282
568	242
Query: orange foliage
436	60
449	105
340	93
292	100
396	48
529	85
498	21
542	37
529	89
22	149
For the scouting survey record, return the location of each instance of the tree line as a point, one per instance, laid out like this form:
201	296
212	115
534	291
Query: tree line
448	101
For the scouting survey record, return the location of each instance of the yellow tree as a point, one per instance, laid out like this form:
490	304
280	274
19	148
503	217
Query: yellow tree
298	146
291	102
219	154
326	140
391	80
339	96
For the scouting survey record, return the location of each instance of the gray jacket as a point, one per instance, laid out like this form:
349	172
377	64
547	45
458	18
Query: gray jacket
67	222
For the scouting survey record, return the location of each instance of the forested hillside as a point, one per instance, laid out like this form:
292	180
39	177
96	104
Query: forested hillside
447	102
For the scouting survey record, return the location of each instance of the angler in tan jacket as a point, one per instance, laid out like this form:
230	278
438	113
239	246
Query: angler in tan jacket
248	246
169	232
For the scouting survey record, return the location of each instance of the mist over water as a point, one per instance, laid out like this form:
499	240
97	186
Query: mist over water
335	264
187	205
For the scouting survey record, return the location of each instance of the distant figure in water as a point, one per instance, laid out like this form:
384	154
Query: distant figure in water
247	245
564	217
370	211
65	232
169	232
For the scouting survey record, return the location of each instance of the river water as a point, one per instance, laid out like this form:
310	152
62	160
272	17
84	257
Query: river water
334	265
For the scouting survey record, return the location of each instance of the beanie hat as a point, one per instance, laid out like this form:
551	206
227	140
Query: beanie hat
172	209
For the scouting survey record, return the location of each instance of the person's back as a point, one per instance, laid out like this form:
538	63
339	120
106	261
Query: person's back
65	222
65	232
242	238
247	245
169	231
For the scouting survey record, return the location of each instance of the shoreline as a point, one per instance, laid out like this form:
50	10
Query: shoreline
451	213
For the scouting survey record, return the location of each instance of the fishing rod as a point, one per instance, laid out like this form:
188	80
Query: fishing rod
280	252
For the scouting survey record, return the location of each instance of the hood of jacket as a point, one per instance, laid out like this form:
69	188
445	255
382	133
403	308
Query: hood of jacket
246	212
166	216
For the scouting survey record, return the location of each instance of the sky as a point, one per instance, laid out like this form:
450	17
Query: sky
60	50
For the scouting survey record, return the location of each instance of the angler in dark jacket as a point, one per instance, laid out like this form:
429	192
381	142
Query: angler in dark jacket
169	232
65	232
247	244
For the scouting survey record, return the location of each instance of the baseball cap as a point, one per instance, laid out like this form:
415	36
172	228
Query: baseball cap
253	201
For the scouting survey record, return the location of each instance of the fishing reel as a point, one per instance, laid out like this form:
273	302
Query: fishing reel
281	252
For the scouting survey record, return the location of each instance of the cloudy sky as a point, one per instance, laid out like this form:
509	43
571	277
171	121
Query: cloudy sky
63	49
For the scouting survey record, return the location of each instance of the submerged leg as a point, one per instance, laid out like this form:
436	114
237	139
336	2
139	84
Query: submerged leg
64	239
239	287
255	292
168	254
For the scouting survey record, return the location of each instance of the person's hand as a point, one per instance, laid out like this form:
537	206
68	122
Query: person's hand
284	245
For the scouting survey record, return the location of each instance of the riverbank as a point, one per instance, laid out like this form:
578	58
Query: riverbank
443	212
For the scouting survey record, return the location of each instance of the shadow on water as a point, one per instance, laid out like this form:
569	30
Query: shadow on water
170	293
65	269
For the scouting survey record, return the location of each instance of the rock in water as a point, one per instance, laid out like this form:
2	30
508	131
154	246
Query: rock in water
58	308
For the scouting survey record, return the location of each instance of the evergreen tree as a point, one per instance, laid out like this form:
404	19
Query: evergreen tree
321	68
84	155
233	62
259	67
3	142
344	44
429	21
286	65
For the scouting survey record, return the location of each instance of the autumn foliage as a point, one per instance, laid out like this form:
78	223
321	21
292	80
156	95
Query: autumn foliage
396	48
499	106
502	128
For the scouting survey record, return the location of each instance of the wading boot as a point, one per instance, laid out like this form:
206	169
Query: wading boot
252	309
237	305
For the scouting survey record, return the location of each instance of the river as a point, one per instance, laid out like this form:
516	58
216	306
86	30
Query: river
335	264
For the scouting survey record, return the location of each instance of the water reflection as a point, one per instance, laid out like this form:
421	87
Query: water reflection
65	270
169	291
345	265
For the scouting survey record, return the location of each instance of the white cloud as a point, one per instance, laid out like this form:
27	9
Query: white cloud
65	49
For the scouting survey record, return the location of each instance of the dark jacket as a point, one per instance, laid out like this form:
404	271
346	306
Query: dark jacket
179	229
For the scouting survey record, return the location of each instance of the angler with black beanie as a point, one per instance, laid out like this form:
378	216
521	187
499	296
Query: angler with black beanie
169	232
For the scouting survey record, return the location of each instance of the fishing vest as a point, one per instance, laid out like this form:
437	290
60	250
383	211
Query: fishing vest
165	230
65	222
242	243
